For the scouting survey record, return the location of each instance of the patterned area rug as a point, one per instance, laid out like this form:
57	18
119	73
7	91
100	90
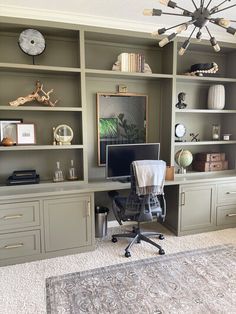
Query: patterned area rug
200	281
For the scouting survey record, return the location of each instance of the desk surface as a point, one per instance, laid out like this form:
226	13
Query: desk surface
99	185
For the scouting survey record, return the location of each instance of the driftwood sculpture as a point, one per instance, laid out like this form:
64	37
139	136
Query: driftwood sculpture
38	95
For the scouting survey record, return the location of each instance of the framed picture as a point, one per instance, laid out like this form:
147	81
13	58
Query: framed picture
25	134
121	119
8	128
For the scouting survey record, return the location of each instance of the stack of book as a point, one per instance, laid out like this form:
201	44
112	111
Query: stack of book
131	62
23	177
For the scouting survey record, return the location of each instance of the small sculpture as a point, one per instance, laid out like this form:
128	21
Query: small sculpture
181	99
7	141
194	137
39	95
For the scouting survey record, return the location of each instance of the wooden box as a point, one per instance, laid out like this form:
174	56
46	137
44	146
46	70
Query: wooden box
209	157
203	166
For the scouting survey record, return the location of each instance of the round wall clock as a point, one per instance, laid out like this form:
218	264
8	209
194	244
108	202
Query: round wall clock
32	42
180	131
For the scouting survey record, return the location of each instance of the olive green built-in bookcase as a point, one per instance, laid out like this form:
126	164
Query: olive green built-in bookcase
77	63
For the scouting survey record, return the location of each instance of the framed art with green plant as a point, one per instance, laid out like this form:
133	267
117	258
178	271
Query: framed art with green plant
121	119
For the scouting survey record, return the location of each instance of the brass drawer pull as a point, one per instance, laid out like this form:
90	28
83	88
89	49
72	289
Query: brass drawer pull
13	246
88	208
12	217
231	215
233	192
182	198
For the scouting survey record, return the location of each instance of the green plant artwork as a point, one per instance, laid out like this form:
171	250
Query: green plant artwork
130	131
108	127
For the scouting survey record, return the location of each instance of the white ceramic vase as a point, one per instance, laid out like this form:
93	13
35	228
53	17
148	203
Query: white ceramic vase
216	97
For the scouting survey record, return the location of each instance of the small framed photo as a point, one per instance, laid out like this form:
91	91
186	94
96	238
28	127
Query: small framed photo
25	134
8	128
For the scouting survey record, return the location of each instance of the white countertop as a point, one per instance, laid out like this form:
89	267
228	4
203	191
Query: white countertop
99	185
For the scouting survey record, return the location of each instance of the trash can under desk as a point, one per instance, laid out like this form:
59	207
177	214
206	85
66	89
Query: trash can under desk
101	221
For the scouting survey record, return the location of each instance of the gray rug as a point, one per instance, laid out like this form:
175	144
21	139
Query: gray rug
200	281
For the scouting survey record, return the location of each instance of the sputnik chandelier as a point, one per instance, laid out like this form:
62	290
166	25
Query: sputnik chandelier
200	17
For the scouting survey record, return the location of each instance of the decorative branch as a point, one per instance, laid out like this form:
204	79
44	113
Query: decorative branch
38	95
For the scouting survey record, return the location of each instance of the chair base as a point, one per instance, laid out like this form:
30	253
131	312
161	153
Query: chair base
137	236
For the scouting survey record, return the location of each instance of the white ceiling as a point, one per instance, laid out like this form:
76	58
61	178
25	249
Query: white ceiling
123	14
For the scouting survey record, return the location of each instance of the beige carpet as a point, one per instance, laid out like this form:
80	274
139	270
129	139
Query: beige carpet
22	287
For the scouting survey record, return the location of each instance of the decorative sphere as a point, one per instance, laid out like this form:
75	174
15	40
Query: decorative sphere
183	158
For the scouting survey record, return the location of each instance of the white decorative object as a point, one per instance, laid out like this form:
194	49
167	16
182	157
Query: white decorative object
216	97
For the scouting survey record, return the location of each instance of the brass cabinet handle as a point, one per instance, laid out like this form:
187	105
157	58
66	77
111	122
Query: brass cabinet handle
12	216
231	215
232	192
13	246
183	198
88	208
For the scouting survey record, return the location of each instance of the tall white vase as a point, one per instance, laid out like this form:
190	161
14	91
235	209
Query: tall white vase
216	97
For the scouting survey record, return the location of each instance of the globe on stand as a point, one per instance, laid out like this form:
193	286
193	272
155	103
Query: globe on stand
183	158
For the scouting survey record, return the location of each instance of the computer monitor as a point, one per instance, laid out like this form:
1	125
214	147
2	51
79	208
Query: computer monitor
120	156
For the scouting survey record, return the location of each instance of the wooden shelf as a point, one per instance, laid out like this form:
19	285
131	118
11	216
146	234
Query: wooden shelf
119	74
39	108
40	147
204	143
17	67
184	78
225	111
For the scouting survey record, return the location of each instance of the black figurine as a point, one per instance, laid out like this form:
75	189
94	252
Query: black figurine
181	99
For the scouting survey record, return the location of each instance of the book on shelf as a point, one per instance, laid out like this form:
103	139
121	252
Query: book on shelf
131	62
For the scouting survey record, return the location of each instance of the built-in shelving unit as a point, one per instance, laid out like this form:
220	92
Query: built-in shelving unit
77	64
58	69
196	117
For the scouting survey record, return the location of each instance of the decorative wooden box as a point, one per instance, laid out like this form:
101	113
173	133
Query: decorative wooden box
210	166
209	157
209	162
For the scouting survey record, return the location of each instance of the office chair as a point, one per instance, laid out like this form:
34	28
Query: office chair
143	203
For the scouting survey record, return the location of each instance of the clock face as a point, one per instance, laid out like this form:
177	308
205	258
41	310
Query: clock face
180	130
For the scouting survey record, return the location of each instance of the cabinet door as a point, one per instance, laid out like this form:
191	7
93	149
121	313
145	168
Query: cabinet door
68	222
197	207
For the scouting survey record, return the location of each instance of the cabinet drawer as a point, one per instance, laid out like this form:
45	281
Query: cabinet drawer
227	193
226	215
19	244
19	215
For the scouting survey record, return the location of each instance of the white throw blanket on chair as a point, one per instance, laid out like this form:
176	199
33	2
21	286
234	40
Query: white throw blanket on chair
150	176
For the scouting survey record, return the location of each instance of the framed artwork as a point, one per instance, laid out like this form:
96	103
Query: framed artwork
8	128
25	134
121	119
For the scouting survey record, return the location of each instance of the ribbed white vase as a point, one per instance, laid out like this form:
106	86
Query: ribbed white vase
216	97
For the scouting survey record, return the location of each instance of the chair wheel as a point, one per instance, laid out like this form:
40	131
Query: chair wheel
161	237
127	254
114	240
161	252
